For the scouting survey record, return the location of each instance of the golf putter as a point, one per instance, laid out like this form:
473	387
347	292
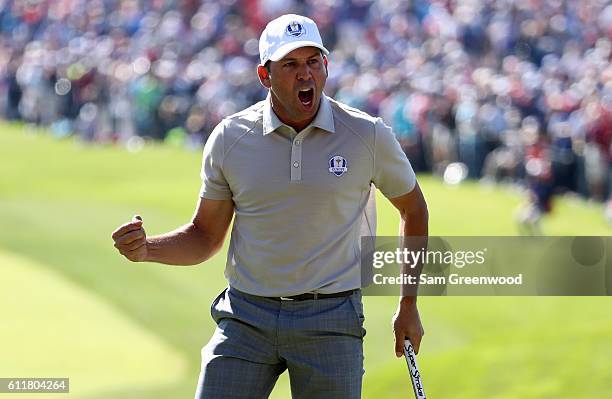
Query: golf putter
415	376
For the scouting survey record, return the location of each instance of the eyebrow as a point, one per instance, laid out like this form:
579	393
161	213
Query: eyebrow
293	59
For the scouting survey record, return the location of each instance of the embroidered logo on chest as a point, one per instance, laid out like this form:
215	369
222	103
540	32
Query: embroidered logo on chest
338	165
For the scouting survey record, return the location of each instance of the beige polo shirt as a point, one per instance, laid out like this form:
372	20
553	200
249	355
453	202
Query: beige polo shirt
300	198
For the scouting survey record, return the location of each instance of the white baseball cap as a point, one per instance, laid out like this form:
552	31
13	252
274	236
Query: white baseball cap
287	33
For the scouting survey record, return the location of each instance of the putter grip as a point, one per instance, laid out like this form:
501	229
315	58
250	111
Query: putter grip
415	376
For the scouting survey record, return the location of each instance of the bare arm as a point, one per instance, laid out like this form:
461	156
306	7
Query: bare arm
189	244
414	223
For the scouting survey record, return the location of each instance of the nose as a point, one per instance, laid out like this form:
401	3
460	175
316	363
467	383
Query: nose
303	72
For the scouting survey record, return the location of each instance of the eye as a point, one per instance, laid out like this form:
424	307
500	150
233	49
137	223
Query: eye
289	64
314	61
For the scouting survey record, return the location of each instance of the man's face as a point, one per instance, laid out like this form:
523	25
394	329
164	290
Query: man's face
296	83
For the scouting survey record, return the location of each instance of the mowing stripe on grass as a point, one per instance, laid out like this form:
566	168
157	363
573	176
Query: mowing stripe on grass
51	327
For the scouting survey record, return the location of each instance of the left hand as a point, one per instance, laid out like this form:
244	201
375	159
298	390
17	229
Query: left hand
407	324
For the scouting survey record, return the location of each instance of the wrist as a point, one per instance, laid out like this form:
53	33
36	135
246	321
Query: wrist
407	301
148	256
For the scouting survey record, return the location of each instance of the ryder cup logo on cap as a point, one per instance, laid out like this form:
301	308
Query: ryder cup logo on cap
295	29
287	33
338	165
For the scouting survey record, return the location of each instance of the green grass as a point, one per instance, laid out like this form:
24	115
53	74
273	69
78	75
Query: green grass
46	319
141	326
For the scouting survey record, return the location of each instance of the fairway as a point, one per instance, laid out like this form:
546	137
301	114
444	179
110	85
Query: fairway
122	330
48	319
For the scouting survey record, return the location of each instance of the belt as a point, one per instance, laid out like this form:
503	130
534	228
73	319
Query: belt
313	295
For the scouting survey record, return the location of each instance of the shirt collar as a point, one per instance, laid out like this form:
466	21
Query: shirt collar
323	120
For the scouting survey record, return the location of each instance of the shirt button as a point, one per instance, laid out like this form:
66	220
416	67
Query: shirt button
297	142
296	164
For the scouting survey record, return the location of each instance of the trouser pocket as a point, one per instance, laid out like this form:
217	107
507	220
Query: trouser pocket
213	306
357	305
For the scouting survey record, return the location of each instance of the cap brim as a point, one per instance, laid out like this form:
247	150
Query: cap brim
289	47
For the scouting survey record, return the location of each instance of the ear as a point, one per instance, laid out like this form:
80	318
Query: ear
264	76
325	63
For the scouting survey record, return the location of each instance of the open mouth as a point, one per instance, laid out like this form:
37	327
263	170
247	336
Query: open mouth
306	96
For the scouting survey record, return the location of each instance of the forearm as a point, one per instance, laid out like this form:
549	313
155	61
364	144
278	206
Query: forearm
414	234
185	246
413	237
407	322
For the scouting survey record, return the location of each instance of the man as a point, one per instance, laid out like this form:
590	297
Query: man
296	171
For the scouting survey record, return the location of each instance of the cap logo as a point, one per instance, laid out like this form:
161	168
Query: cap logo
295	29
338	165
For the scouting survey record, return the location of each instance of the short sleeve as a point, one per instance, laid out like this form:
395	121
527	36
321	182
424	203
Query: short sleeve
214	185
393	174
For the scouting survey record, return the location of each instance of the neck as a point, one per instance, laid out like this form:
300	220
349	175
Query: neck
297	125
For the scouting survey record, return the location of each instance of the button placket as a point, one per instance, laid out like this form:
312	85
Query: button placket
296	156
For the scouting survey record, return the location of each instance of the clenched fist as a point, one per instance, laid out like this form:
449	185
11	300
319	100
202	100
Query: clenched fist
131	240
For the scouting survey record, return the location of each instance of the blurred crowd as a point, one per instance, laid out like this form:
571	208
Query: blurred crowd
512	89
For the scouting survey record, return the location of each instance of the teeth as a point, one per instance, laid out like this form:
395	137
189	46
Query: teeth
304	90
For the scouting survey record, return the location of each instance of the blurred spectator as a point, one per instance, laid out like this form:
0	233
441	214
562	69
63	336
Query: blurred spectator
456	79
538	175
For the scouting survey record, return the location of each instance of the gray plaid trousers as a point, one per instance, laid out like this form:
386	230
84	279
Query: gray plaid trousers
320	343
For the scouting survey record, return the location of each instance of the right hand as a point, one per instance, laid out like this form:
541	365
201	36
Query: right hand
131	240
